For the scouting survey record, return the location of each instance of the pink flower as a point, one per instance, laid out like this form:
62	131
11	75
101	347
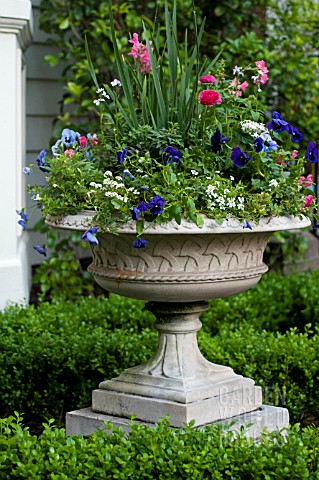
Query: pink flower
306	182
308	201
242	86
261	66
69	153
263	79
140	52
294	154
209	97
207	79
93	139
83	141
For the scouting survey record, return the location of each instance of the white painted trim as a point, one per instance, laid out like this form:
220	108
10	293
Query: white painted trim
16	18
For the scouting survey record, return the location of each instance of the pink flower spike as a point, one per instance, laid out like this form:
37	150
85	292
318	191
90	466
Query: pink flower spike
207	79
294	154
308	201
83	141
69	153
261	65
209	97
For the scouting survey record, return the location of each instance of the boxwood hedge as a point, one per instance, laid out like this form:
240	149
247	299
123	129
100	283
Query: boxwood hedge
156	453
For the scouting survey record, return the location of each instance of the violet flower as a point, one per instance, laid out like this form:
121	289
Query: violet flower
139	243
121	155
156	205
171	155
312	152
239	157
88	236
217	140
40	250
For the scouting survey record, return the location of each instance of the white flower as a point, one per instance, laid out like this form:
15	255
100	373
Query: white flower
232	178
108	173
98	101
100	90
231	203
237	70
116	83
194	172
54	185
104	94
253	128
273	183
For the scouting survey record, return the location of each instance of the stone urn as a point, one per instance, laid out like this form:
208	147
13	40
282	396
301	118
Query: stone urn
181	267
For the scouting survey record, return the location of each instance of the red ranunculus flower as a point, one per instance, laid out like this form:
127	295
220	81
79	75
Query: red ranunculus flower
209	97
207	79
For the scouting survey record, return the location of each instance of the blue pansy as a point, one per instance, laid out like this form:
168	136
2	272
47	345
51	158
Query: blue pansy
127	174
88	236
41	161
135	213
264	143
277	123
171	155
69	137
312	152
156	205
26	170
143	189
40	249
217	140
239	157
121	155
139	243
247	225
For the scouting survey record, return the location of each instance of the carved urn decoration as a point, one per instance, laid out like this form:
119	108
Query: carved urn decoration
181	267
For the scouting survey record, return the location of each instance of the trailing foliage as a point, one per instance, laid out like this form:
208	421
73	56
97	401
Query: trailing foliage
160	452
53	356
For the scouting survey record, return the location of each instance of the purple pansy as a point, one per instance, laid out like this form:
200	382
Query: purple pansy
40	249
69	137
277	123
143	206
156	205
143	189
296	136
135	213
312	152
239	157
171	155
247	225
139	243
88	236
217	140
121	155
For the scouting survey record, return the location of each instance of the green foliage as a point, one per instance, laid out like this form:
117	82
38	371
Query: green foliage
160	452
61	275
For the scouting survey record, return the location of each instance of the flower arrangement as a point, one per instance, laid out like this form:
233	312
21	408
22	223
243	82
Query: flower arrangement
178	137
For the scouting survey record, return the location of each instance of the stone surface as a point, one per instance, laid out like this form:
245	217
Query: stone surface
177	380
85	421
181	263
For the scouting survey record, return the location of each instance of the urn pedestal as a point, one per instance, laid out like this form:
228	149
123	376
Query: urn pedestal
180	268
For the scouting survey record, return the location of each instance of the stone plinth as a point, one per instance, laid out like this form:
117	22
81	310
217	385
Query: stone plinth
85	421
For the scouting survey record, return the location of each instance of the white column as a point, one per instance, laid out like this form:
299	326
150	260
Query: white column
15	36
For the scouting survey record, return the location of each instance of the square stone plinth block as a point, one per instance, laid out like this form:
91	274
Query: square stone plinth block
225	404
85	421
